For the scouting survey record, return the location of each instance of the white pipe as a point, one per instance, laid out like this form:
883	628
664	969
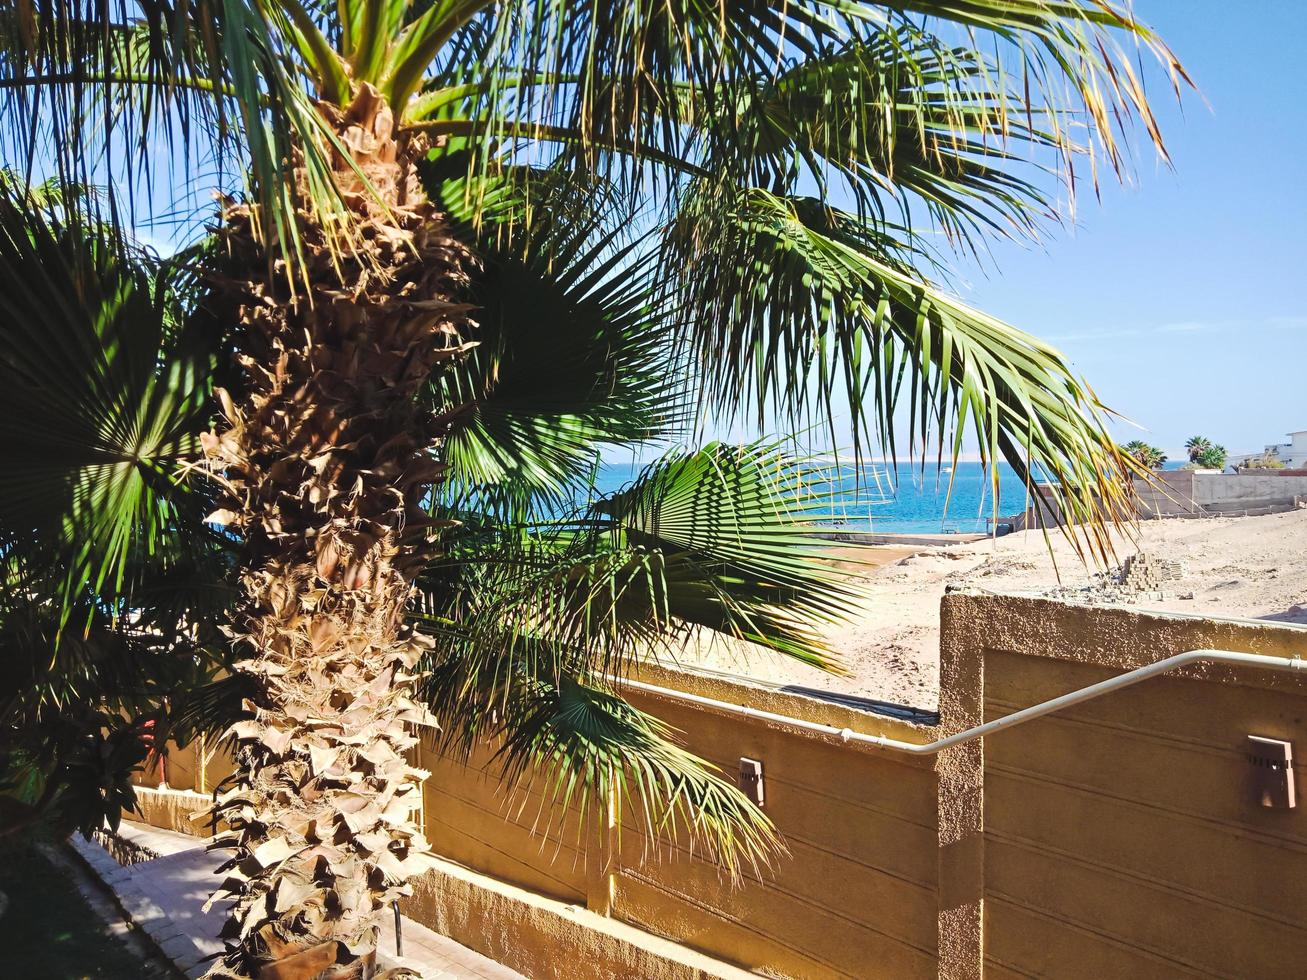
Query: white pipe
989	728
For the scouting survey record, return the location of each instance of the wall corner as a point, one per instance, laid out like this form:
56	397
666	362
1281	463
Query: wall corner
960	800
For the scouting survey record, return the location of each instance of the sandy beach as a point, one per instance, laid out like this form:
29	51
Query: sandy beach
1253	567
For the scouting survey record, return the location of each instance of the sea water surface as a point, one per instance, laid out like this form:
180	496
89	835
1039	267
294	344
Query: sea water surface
903	501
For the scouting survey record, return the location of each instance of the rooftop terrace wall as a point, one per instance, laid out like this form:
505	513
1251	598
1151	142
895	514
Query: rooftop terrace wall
1119	838
1124	837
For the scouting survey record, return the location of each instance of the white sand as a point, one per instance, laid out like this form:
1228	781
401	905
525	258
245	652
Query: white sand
1253	567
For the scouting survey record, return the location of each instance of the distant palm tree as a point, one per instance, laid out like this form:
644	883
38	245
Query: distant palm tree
1197	445
440	209
1148	456
1212	457
1206	454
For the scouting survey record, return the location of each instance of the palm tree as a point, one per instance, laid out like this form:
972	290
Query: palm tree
1214	457
1147	456
1197	446
1206	454
721	202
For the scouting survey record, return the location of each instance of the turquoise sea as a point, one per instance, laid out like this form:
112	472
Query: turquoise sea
906	501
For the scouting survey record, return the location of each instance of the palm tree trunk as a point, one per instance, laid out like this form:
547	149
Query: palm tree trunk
326	459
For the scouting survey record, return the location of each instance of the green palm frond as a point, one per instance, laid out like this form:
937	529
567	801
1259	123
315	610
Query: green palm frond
566	295
750	514
103	394
626	66
65	695
1073	59
592	745
103	390
715	540
951	97
718	539
530	623
629	90
94	88
112	664
891	120
801	308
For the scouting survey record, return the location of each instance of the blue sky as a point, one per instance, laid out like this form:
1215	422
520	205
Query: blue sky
1181	296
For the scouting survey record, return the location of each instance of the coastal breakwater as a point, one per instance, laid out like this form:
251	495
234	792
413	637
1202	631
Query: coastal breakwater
905	540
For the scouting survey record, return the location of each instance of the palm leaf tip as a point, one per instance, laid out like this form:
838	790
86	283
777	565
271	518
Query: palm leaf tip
593	745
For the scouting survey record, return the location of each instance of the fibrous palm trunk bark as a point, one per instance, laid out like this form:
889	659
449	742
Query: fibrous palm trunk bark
326	459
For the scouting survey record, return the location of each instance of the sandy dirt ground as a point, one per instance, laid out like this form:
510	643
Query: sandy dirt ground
1254	567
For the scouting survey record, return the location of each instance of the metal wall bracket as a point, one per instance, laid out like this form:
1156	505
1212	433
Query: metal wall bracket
1272	762
751	780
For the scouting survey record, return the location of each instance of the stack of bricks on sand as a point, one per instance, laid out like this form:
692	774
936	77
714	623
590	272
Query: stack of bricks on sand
1147	573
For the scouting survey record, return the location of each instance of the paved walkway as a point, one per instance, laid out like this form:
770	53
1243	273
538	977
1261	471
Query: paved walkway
164	897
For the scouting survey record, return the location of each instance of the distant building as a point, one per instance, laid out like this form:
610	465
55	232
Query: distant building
1293	454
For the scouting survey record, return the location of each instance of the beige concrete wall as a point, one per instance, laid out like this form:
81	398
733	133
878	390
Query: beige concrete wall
858	889
1251	489
513	833
196	766
1123	837
1171	496
1185	492
1120	838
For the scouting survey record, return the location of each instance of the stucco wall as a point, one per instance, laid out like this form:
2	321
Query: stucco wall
1123	837
1173	495
1221	489
855	893
1120	838
513	833
858	889
198	766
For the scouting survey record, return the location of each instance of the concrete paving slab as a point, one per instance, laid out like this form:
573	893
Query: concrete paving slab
165	897
155	840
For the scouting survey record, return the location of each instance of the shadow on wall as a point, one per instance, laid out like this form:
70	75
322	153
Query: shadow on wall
915	716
